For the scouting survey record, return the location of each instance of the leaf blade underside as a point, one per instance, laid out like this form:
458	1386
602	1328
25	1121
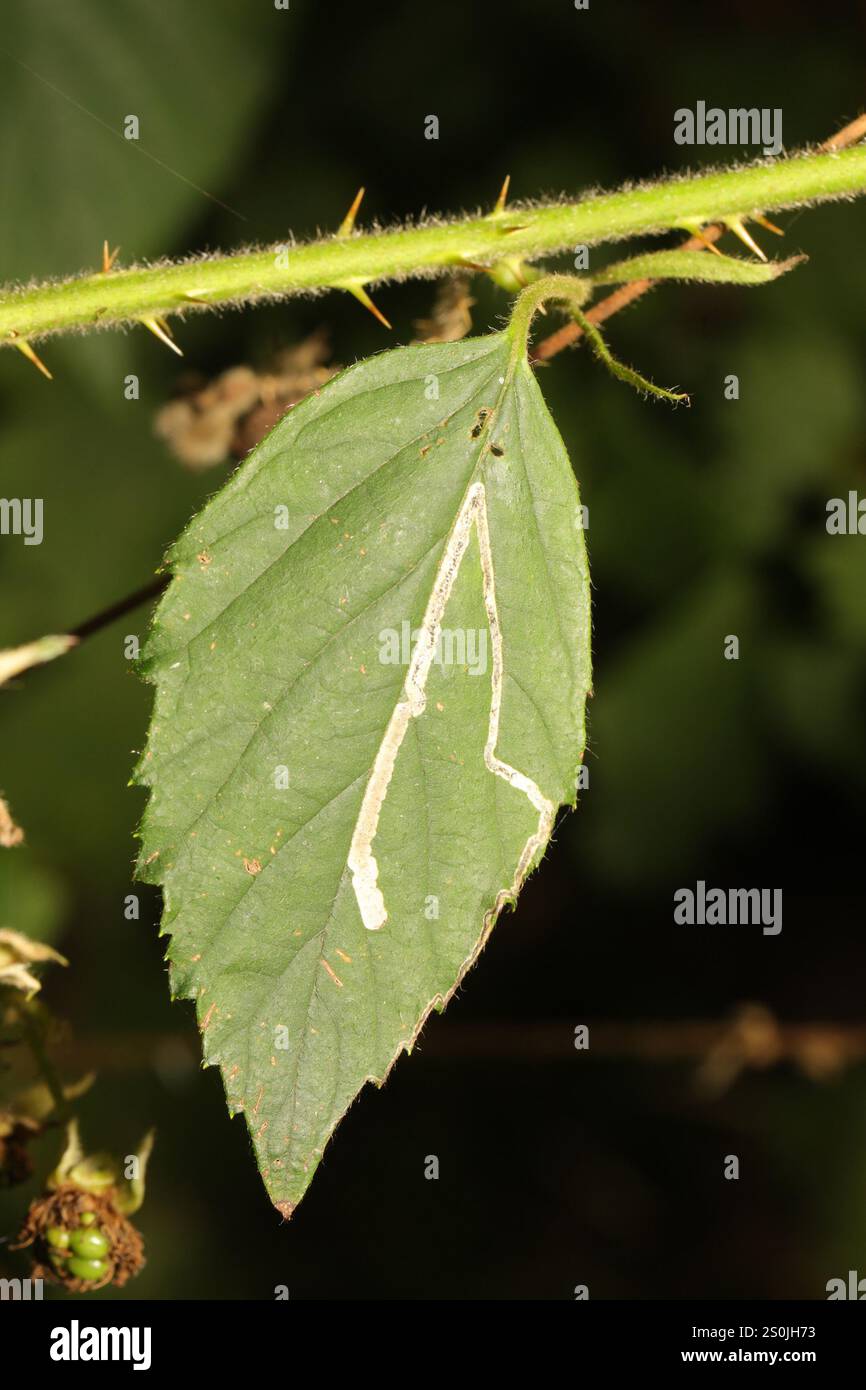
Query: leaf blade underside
281	652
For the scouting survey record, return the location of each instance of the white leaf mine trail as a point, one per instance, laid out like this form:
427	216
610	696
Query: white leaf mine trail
413	701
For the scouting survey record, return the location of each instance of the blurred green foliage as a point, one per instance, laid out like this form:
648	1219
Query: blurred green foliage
703	522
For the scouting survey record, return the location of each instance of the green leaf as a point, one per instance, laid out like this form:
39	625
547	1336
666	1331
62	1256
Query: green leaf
695	265
291	738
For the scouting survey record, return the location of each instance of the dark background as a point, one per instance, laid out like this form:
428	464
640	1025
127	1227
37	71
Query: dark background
557	1167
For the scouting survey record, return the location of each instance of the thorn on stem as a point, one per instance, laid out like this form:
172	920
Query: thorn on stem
24	347
736	225
363	298
765	222
697	231
108	257
348	223
160	329
499	206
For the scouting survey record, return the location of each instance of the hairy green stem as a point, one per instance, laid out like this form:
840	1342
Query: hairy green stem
115	297
572	291
566	289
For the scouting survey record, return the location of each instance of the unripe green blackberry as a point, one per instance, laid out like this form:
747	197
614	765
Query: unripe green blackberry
79	1251
87	1269
89	1242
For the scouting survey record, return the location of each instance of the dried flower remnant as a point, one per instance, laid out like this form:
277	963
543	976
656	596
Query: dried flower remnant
10	833
16	1164
17	953
25	1113
227	417
450	318
81	1240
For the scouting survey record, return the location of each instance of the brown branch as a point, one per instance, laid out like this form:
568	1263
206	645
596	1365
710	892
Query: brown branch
848	135
14	661
117	610
627	294
721	1049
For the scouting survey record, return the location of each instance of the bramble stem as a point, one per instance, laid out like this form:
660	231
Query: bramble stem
153	292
